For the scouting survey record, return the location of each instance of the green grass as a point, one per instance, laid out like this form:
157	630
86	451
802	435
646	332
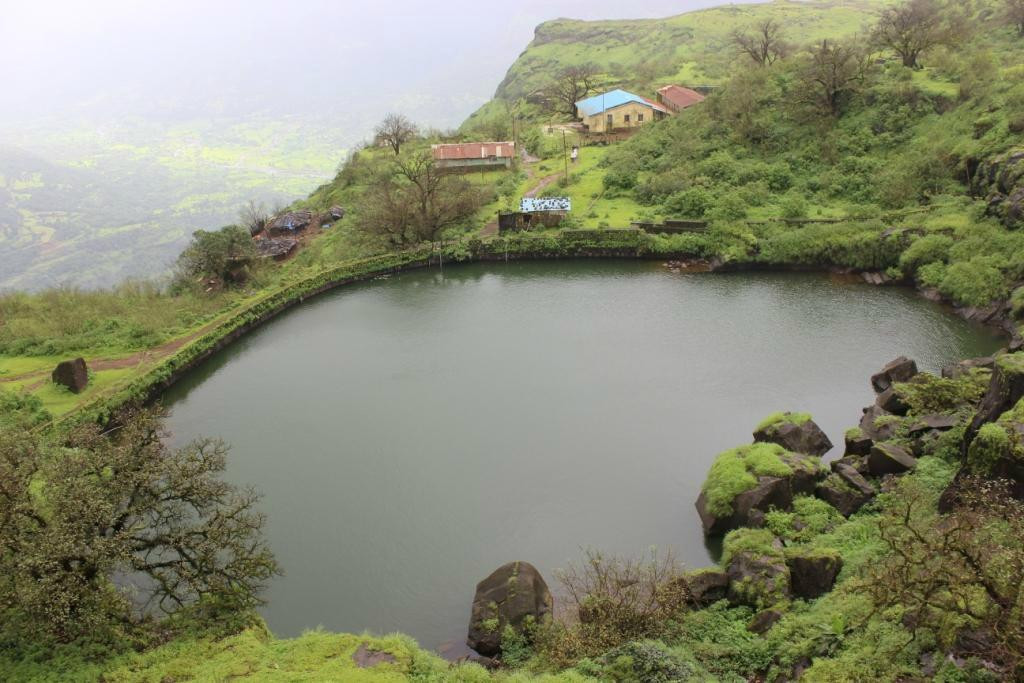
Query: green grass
783	417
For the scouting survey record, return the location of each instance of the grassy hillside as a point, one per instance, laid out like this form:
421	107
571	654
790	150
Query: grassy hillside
644	54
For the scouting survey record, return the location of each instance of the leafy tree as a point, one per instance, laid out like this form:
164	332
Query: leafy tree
830	75
91	525
763	44
410	200
912	27
215	255
394	131
570	86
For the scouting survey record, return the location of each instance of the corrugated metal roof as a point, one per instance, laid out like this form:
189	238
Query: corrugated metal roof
535	204
610	100
473	150
679	97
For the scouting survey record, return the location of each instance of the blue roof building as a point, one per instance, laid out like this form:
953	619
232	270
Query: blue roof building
618	109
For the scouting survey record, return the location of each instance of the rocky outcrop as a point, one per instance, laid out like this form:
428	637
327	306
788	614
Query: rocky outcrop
794	432
888	458
764	620
956	370
812	574
513	595
1005	389
1000	180
72	374
857	442
875	429
706	586
770	491
845	489
891	402
899	370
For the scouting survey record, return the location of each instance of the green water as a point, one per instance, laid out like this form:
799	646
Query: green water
411	434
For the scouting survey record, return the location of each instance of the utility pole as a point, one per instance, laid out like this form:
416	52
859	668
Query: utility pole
565	156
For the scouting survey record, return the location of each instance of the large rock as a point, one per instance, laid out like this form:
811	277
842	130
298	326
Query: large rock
888	458
927	423
872	429
514	594
899	370
72	374
854	478
706	586
891	402
857	442
838	493
814	573
764	620
758	580
797	433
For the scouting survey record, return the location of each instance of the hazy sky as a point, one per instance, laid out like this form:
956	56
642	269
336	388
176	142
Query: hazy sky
205	57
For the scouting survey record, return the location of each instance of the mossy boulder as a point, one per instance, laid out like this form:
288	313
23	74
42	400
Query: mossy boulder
898	370
795	432
877	424
72	374
749	480
846	490
812	572
756	566
892	402
514	595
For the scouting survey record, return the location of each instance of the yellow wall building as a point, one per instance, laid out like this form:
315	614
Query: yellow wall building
617	110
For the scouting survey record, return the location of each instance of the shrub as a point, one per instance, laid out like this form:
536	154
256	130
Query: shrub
925	250
977	282
793	205
728	208
691	203
616	600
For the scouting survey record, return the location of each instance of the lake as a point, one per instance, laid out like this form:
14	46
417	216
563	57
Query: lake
413	433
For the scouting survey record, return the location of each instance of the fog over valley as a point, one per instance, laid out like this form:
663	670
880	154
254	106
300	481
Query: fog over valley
126	126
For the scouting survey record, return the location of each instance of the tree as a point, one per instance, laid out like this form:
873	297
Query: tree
764	45
572	85
913	27
959	575
411	200
254	216
1015	14
394	131
830	75
218	255
109	519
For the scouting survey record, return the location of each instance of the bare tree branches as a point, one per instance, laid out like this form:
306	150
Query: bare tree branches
957	575
911	28
571	86
764	45
411	200
830	75
394	131
254	216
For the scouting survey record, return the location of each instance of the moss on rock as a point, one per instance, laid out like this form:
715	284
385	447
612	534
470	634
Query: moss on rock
736	470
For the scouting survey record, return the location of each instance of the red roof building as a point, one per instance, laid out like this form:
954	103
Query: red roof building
677	98
474	154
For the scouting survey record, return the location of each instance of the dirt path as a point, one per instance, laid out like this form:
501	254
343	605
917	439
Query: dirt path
130	361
